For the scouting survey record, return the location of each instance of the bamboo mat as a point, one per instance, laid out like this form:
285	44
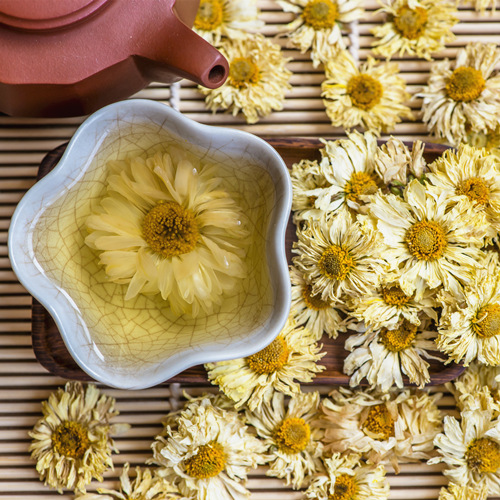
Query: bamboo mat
24	383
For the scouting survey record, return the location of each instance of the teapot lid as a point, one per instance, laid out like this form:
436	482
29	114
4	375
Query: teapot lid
46	14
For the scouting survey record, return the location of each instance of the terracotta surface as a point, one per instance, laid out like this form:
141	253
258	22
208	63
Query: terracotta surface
52	354
71	57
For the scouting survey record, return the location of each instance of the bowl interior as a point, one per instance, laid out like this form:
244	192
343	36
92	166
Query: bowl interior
139	342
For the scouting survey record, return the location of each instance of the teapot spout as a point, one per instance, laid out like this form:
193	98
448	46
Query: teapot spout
181	53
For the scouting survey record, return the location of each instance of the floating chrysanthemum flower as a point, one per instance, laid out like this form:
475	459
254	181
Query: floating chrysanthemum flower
258	79
469	327
383	356
72	442
456	492
472	173
145	486
465	96
218	19
371	96
316	26
287	361
164	215
415	27
338	258
430	238
386	305
208	454
315	314
347	478
393	427
471	450
396	164
293	443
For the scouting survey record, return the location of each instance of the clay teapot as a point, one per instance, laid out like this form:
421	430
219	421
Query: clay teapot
71	57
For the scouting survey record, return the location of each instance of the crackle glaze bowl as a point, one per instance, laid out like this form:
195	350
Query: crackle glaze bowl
139	343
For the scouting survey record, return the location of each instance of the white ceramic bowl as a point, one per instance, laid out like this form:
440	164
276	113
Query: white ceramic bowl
140	345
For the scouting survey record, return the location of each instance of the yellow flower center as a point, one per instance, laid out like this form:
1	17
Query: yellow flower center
170	229
378	423
208	462
483	455
486	323
476	190
426	240
242	72
320	14
394	296
360	184
71	440
465	84
410	23
335	263
313	301
364	91
400	338
272	358
292	435
210	15
345	488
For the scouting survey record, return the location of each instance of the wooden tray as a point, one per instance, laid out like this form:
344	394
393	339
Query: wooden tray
51	351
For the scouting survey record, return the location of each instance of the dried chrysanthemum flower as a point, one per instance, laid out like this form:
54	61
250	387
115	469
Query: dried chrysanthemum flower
218	19
383	356
463	97
257	81
396	164
483	5
472	173
145	486
371	95
464	492
415	27
489	140
347	478
471	450
431	239
311	311
395	427
338	257
316	26
208	453
71	443
164	215
293	442
287	361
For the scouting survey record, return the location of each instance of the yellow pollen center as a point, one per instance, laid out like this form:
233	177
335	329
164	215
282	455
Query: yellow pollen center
243	72
486	323
70	439
210	15
400	338
394	296
364	91
476	190
271	358
465	84
292	435
320	14
335	263
170	229
360	184
313	301
410	23
378	423
483	455
209	461
426	240
345	488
